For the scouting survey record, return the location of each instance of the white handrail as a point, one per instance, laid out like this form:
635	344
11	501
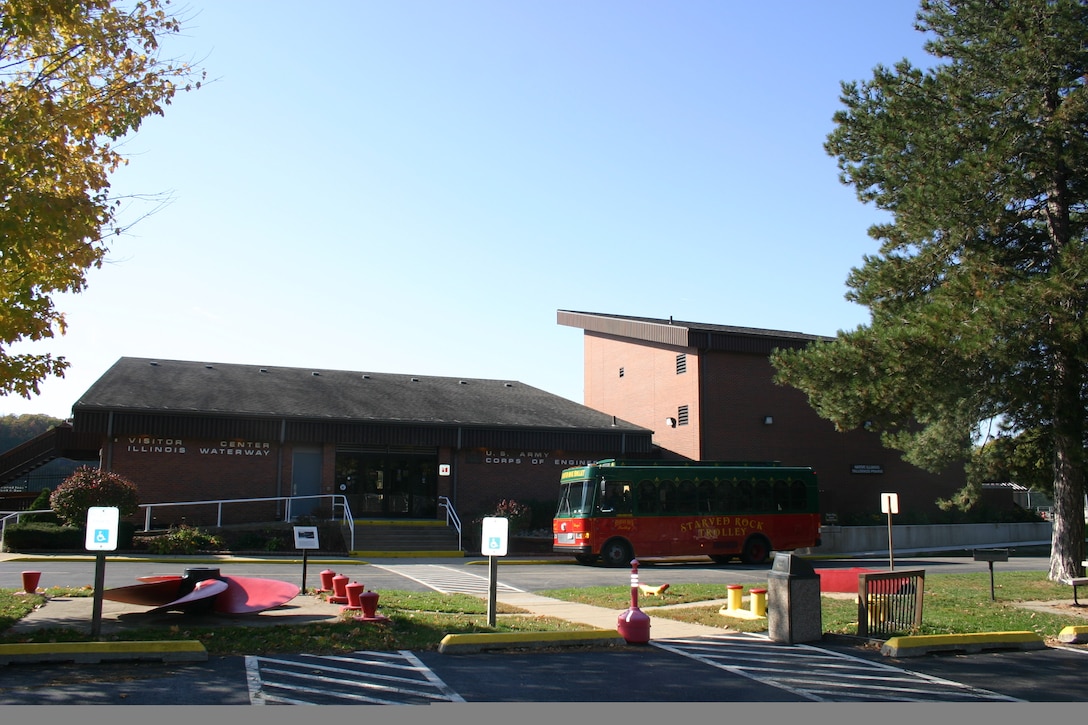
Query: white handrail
338	500
6	516
451	518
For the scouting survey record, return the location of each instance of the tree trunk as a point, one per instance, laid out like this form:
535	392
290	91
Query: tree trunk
1067	539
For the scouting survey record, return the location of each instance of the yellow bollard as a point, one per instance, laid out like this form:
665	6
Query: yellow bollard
736	592
758	602
878	609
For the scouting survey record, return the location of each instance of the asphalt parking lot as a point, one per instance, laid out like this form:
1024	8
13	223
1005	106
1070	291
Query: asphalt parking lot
737	669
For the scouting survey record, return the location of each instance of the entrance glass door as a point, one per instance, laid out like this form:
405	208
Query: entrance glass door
388	485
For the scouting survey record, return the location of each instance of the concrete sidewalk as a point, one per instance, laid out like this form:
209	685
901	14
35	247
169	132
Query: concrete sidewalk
607	619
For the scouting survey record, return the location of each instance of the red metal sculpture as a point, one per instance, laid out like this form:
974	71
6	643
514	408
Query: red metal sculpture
202	590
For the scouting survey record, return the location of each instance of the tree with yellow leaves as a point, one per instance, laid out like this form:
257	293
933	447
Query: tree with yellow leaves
76	76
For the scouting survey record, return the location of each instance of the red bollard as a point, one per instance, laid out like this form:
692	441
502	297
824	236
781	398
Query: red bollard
353	591
369	602
633	624
30	581
339	589
326	580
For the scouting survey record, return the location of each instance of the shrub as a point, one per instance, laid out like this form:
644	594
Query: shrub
519	515
37	536
184	540
88	487
41	503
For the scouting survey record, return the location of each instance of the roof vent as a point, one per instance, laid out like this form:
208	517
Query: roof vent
509	385
153	364
462	382
208	367
264	370
415	380
366	377
316	374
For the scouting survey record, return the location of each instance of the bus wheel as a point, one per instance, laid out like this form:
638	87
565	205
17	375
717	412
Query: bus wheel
756	551
616	552
585	558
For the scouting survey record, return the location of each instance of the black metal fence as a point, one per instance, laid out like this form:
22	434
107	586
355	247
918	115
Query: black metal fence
890	602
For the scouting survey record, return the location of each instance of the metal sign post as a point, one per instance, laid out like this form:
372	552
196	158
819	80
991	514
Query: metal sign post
990	556
889	504
102	524
493	543
305	539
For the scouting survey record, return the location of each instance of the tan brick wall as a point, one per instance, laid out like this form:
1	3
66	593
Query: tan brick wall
730	395
171	470
649	391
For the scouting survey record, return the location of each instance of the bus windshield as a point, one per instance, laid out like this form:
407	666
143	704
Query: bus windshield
575	499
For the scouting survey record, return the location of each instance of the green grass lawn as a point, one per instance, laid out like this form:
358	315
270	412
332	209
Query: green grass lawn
952	603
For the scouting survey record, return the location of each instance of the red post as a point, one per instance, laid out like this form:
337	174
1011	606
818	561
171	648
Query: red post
369	601
353	590
326	580
339	590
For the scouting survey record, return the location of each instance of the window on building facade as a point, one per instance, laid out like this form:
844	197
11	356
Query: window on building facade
681	363
621	372
682	415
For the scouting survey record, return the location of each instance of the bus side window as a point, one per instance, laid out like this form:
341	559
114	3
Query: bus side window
647	497
743	500
625	505
763	500
781	496
724	500
617	498
706	497
687	501
667	497
798	496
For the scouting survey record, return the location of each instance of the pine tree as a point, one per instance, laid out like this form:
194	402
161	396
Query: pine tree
977	340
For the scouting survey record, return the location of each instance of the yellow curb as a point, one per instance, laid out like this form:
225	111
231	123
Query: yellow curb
407	554
401	522
93	652
498	640
917	645
1074	635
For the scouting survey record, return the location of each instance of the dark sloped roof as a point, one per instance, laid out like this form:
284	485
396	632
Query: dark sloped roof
699	335
176	387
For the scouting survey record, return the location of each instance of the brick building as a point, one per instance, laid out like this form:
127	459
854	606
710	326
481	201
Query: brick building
707	393
392	444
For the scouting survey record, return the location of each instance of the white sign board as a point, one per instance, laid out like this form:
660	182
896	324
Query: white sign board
102	528
889	503
306	537
493	537
443	469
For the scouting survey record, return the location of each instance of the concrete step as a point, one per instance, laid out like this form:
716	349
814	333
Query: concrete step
376	536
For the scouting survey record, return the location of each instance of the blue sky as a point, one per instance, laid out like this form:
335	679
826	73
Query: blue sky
418	187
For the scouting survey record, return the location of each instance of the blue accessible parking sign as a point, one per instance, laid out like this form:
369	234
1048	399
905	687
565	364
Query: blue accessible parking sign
102	528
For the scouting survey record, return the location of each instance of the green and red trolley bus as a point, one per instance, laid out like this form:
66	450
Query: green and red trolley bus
612	511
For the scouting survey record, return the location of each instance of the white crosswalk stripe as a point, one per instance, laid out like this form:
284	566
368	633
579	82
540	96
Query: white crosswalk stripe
822	675
376	678
447	580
